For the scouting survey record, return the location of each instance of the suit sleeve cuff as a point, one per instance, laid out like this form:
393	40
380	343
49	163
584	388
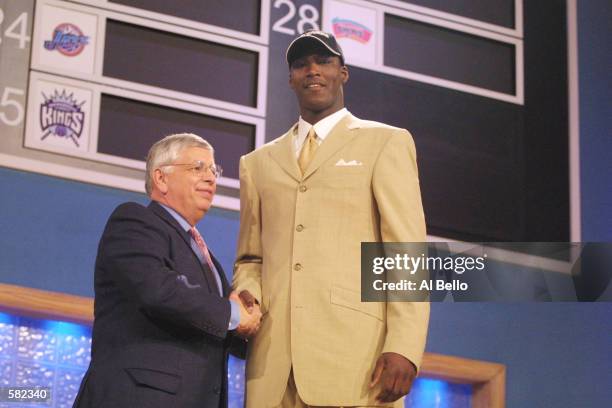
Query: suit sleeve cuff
235	315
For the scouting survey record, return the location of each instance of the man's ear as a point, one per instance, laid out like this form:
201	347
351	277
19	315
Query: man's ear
160	181
345	74
290	79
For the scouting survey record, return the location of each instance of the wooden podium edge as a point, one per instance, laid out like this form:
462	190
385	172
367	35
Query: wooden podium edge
44	304
488	379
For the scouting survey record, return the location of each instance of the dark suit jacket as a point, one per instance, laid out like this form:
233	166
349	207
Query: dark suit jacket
160	333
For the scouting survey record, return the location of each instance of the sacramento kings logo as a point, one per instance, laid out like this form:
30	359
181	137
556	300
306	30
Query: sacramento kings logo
61	116
68	39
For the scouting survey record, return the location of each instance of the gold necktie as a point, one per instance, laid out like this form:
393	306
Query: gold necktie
308	150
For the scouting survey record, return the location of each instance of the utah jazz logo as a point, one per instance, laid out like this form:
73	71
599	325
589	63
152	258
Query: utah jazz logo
61	116
68	39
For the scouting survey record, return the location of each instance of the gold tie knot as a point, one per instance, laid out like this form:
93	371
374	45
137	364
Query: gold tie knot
308	150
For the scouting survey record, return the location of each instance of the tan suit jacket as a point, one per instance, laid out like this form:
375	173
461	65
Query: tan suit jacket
299	255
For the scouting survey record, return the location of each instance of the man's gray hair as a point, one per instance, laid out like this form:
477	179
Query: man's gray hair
167	151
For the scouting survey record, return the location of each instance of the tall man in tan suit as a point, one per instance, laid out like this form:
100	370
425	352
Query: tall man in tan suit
308	200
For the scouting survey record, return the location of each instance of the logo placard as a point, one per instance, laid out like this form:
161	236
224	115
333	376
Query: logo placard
355	28
59	116
65	40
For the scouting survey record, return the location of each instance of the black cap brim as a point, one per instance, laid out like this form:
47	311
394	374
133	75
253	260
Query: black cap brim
302	46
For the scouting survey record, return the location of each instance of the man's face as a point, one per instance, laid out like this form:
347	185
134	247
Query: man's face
186	191
317	81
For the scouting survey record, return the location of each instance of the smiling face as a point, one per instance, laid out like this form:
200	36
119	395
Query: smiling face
182	189
317	81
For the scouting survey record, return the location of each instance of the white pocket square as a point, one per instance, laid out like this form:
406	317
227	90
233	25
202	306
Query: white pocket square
185	281
343	162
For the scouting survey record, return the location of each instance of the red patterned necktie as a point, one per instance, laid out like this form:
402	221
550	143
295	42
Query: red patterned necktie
195	234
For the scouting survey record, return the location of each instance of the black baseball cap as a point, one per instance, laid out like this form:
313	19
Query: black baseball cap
313	40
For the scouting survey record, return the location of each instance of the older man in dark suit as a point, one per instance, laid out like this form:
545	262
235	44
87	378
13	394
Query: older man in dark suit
164	316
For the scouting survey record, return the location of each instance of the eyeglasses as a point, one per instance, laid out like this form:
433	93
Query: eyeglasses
199	168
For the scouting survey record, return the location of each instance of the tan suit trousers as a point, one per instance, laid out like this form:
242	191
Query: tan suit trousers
291	399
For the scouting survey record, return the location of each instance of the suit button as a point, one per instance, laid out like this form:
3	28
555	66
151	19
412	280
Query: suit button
217	390
299	228
303	189
297	267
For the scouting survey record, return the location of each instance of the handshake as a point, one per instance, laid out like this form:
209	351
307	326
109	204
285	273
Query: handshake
250	313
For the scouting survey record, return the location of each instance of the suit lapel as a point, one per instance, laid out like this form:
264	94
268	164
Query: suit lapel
283	153
168	218
339	136
224	283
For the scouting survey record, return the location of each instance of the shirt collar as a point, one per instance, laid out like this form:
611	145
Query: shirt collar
322	127
178	217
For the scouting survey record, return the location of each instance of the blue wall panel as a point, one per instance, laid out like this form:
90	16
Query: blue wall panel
556	354
51	228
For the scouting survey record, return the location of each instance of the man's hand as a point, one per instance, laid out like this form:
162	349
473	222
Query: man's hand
250	318
395	373
248	300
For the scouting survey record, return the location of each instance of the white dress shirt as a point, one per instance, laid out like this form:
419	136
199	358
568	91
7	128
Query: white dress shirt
322	129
